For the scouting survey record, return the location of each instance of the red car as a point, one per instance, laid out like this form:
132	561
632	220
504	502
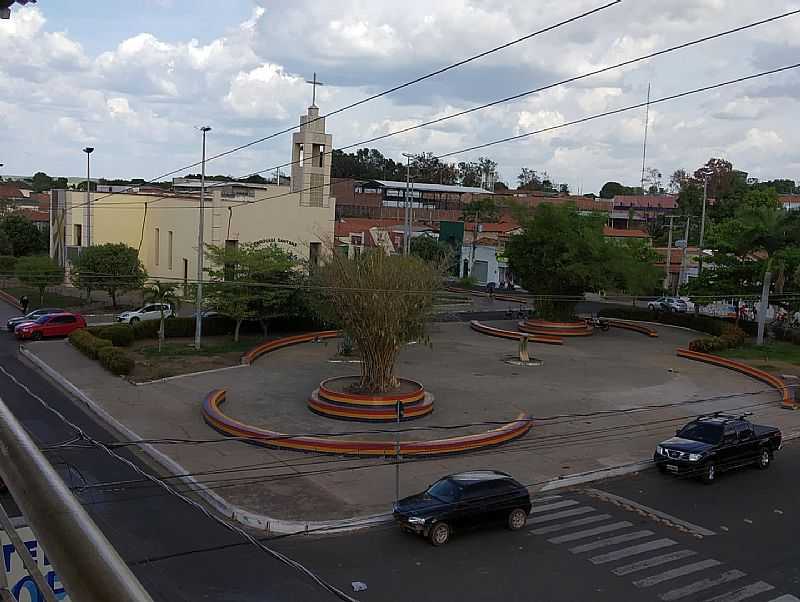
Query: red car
51	325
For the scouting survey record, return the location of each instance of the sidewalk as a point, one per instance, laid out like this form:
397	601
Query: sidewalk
611	372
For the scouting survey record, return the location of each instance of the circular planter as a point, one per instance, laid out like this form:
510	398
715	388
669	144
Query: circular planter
335	390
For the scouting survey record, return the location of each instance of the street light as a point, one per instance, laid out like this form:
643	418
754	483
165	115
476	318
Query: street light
88	150
408	213
198	328
703	223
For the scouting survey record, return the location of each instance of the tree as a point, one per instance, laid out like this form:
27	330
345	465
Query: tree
563	188
381	302
612	189
40	272
690	198
8	264
366	164
528	179
469	173
112	267
6	248
677	180
652	181
426	167
482	209
41	182
25	237
161	293
562	254
252	281
431	250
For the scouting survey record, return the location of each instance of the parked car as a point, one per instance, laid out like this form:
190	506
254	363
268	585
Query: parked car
50	325
668	304
712	444
464	500
151	311
31	316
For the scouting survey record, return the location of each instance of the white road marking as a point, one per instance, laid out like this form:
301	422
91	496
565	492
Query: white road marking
589	532
632	551
556	515
553	506
651	562
570	524
696	529
699	586
759	587
549	498
680	571
786	598
610	541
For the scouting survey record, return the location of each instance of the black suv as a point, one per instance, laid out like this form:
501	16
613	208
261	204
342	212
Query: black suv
464	500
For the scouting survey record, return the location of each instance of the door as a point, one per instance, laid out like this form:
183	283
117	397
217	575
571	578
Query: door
480	271
50	328
67	325
729	447
151	312
748	445
477	504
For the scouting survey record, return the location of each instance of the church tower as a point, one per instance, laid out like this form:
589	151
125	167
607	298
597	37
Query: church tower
311	160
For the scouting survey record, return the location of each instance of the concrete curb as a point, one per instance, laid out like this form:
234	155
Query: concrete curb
218	503
177	376
596	475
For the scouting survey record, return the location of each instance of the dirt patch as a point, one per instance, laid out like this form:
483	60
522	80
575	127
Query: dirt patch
178	356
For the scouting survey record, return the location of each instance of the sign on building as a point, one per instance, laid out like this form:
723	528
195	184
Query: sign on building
20	583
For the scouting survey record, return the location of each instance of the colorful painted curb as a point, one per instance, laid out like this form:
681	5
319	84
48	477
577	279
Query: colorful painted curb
10	299
646	330
256	352
343	411
513	334
773	381
326	392
561	329
226	425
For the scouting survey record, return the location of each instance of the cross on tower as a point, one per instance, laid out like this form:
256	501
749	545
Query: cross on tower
314	83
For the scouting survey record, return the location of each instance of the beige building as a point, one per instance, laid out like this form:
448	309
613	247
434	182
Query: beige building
164	227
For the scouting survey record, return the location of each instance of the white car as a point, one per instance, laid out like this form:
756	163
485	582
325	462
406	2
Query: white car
148	312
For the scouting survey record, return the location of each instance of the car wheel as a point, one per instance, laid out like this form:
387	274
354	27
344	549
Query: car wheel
440	534
36	336
764	458
709	473
517	519
133	321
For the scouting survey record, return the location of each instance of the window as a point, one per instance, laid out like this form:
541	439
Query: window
320	154
445	490
157	245
169	249
78	236
302	155
699	431
745	432
185	277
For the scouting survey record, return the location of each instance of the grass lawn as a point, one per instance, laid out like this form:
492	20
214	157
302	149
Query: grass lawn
776	356
171	349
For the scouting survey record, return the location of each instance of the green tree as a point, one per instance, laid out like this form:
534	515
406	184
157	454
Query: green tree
8	264
431	250
562	254
481	210
159	292
252	281
112	267
381	302
24	236
612	189
41	182
40	272
6	248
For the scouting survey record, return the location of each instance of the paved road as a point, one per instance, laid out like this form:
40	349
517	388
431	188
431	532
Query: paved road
733	541
148	524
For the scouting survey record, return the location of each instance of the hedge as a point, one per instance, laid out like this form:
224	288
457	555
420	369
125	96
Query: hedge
116	361
789	335
708	324
731	338
88	344
120	335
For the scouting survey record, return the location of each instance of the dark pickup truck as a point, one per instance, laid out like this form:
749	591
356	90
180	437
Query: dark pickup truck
712	444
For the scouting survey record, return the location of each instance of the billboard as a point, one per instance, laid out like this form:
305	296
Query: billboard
20	583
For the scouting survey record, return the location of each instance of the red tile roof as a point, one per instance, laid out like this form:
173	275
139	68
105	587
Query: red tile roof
662	201
36	216
623	233
349	225
500	227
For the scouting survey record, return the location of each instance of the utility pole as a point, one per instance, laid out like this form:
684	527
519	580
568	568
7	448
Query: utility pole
397	453
682	273
703	224
407	217
669	252
763	305
198	324
644	149
88	150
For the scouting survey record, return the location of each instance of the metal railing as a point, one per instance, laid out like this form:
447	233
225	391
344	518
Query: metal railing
87	564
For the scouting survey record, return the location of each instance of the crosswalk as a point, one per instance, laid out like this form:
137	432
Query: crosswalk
660	567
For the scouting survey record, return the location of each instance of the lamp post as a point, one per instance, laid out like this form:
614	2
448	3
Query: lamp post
198	328
407	241
703	224
88	150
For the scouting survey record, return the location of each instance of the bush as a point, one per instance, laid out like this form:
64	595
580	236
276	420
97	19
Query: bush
709	324
88	344
120	335
116	361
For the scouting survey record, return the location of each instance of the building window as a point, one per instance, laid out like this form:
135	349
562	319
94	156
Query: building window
157	248
169	249
78	236
302	155
321	155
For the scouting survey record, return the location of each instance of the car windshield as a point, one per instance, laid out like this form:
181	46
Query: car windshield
445	490
699	431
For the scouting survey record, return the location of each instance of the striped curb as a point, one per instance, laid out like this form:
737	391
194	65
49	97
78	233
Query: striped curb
513	334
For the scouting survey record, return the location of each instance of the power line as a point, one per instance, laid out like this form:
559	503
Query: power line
386	92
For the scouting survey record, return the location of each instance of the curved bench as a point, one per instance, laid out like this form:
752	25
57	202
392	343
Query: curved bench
330	409
561	329
513	334
765	377
253	354
498	296
634	326
226	425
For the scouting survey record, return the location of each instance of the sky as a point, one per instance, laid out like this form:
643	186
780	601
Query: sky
136	80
